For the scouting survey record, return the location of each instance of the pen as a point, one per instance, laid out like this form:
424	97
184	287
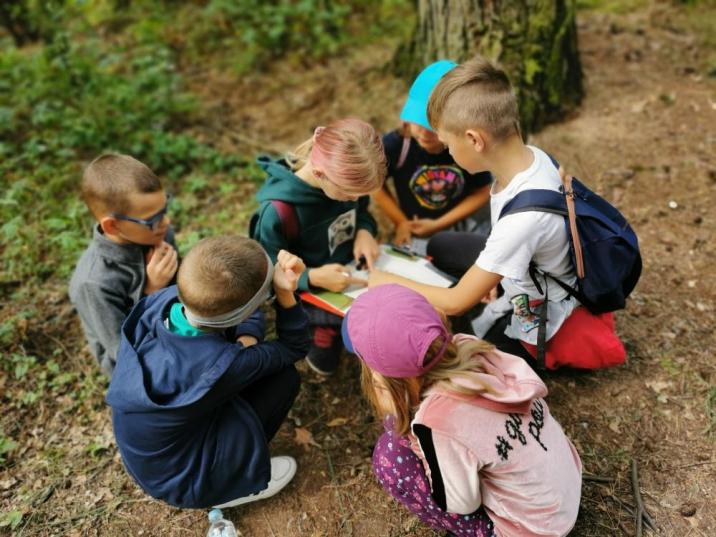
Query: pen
403	250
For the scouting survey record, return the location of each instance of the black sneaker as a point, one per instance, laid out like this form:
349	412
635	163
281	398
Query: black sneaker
326	350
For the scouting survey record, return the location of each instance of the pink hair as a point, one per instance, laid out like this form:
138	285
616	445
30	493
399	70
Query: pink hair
350	154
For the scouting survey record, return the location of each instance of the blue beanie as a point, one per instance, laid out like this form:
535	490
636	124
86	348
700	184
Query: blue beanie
416	107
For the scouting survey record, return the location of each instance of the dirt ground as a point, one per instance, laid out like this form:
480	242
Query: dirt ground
645	137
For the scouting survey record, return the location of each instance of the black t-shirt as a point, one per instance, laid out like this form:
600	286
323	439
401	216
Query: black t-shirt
428	185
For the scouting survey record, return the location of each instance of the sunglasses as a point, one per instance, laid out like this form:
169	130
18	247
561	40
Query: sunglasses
152	222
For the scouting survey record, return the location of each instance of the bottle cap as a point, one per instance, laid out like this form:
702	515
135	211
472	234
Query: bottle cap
215	515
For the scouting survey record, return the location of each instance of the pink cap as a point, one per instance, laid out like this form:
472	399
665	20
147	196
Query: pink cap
390	328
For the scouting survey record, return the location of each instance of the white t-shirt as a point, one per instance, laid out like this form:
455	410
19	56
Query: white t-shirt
519	238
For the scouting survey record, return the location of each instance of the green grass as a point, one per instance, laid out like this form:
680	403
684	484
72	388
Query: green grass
710	409
699	17
105	79
619	7
65	102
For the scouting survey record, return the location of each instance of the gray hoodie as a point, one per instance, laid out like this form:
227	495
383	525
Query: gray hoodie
106	284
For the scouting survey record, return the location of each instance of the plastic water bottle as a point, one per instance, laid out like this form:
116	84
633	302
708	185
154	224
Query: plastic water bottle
219	526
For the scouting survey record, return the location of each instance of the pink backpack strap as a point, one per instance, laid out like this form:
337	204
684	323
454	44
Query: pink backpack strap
289	219
403	152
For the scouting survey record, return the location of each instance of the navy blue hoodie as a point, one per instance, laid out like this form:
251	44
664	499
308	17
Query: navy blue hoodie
183	430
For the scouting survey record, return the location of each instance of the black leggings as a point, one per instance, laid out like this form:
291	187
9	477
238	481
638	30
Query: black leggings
272	397
455	252
496	336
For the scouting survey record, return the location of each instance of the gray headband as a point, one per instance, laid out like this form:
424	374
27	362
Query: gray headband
235	316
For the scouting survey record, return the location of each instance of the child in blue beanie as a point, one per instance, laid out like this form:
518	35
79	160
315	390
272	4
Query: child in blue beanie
432	192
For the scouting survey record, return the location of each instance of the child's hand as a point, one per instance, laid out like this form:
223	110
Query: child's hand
289	268
403	235
490	297
334	277
161	264
365	245
423	227
247	341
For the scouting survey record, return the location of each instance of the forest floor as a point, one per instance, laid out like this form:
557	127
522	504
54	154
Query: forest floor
644	137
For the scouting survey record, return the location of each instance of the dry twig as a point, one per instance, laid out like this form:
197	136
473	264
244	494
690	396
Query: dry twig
639	515
629	508
597	479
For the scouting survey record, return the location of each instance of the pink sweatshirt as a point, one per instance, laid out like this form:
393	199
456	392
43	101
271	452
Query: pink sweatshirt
502	450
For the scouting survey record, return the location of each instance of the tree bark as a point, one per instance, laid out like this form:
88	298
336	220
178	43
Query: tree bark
534	41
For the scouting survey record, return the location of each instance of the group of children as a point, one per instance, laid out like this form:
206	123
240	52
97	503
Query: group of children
196	391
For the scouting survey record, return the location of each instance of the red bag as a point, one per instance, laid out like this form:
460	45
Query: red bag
584	341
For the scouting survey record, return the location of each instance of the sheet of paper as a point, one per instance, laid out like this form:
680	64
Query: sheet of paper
418	269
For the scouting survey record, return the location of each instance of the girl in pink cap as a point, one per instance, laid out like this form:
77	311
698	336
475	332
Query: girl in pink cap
470	445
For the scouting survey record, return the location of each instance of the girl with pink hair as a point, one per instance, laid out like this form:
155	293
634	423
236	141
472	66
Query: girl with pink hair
314	203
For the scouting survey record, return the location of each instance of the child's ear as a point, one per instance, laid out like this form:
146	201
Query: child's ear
108	225
476	139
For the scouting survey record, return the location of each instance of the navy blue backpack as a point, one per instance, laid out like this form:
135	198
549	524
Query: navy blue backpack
605	253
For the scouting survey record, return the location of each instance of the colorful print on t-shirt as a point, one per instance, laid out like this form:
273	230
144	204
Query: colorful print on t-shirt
435	186
525	311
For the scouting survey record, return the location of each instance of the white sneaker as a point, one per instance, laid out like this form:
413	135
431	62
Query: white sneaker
283	468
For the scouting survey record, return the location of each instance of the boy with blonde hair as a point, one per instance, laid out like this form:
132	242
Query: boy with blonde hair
474	111
195	399
132	253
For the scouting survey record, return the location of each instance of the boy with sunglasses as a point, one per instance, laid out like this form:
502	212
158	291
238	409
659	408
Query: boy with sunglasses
132	253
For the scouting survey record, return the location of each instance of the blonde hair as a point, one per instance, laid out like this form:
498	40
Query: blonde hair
220	274
349	152
109	179
463	361
475	94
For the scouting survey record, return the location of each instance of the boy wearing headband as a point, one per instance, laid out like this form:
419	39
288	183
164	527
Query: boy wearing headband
196	396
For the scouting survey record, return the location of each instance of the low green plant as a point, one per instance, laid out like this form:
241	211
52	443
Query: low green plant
612	6
251	34
10	519
710	409
61	105
6	446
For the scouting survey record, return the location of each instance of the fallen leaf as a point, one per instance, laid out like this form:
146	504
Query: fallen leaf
305	438
659	385
614	425
638	107
7	483
337	422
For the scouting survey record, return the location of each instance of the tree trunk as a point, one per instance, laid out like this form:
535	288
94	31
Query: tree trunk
534	41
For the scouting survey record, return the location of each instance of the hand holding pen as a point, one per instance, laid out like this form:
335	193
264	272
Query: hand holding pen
333	277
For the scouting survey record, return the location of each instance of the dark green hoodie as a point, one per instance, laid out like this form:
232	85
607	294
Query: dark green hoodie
326	227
